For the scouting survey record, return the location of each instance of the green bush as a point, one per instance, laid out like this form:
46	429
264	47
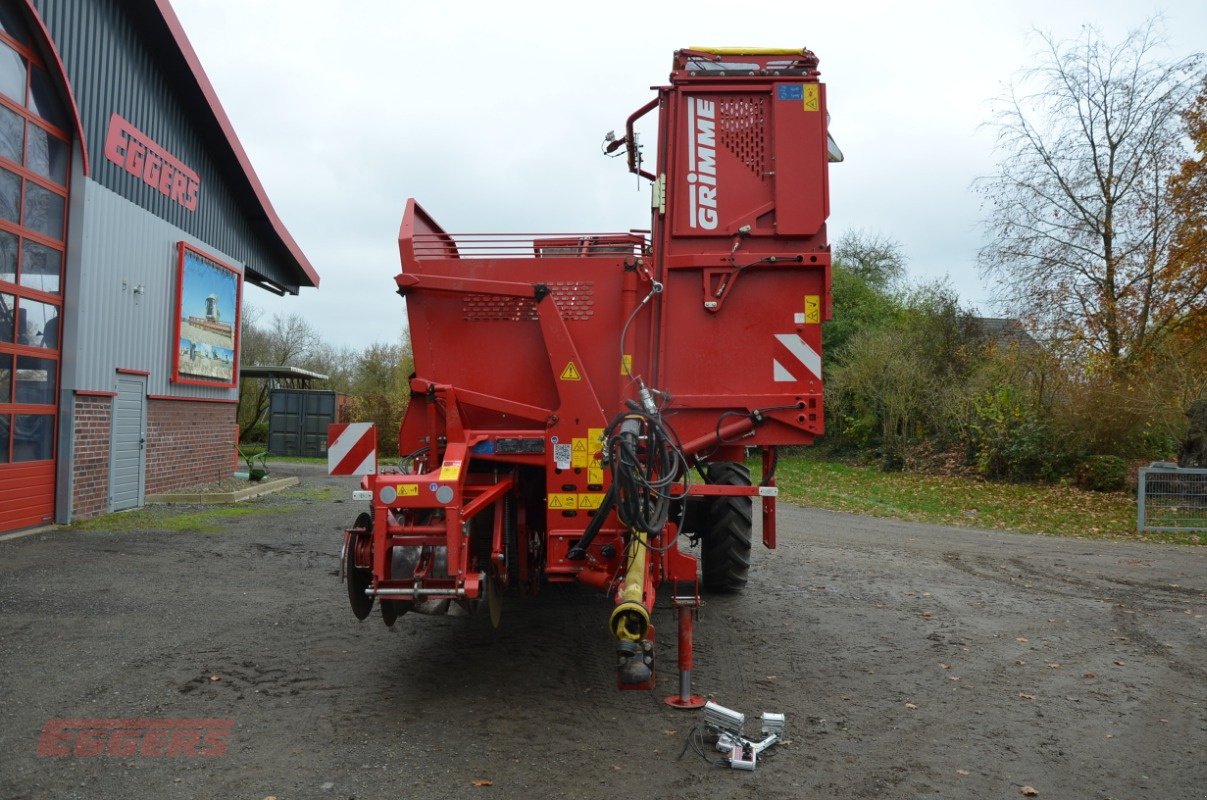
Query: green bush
1101	473
1013	442
385	411
258	434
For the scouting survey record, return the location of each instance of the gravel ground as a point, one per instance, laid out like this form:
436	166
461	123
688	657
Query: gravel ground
911	661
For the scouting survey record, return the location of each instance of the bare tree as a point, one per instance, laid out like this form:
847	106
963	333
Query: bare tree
874	257
1079	215
285	341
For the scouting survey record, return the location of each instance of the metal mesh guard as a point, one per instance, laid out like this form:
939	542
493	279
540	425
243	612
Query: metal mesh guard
574	299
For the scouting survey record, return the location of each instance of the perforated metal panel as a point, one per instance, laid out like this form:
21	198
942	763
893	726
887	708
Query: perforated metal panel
574	299
742	122
492	308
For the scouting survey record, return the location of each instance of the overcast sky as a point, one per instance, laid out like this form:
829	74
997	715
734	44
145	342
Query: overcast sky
491	115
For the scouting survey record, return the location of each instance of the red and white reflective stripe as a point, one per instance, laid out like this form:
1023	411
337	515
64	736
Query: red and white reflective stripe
351	448
805	354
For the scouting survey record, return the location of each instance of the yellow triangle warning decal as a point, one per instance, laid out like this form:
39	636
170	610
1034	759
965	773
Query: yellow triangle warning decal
570	373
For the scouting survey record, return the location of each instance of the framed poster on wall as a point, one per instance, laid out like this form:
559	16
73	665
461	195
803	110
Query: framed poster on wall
208	297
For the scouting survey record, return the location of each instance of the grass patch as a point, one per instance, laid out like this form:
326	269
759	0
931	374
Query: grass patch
208	519
256	450
1029	508
322	494
182	518
296	460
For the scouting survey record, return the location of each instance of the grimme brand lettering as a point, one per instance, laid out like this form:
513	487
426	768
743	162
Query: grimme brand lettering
702	163
142	157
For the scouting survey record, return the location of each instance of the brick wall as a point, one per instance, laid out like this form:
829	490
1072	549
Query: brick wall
188	443
90	472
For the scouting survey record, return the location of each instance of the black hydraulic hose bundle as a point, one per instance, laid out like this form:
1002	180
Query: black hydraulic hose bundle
644	458
645	461
639	504
579	551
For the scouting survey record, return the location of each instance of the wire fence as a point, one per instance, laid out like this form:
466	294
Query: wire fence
1171	498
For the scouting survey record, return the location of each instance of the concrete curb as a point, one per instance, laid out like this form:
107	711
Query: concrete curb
8	537
267	487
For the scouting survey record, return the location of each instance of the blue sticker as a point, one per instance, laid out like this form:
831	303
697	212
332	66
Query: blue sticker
553	439
432	487
791	91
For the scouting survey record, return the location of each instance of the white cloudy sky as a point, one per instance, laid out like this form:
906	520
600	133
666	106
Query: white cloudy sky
491	115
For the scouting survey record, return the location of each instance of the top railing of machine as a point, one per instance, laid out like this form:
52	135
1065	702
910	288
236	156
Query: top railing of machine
529	245
722	62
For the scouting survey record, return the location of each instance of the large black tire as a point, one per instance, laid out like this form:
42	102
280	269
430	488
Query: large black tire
725	544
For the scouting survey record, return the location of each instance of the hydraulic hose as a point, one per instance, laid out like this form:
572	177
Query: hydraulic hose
579	551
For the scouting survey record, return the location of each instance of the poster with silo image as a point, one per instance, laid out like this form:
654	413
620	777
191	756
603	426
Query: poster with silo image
207	321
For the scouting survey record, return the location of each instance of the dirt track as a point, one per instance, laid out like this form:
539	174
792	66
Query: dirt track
1075	667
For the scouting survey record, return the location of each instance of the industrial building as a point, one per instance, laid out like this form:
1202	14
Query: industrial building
130	221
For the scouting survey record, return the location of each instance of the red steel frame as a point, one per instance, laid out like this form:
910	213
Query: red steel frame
526	345
27	489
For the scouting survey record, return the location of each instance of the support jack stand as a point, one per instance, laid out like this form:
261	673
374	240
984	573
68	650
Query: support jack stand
685	608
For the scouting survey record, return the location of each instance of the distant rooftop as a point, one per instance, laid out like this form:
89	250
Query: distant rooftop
1005	331
288	377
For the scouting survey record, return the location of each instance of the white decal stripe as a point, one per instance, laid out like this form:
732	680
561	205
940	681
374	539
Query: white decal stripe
691	134
691	161
803	352
368	466
781	374
346	441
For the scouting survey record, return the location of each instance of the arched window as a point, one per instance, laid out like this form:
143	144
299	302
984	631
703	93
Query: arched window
35	158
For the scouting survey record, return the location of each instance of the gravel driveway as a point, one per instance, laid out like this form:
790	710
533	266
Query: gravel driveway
911	661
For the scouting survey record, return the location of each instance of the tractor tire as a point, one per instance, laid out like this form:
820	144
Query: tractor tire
725	543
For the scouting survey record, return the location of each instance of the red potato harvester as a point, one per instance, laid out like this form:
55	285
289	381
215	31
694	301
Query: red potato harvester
583	404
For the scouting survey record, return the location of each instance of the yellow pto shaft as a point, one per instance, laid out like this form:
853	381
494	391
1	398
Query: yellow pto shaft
630	620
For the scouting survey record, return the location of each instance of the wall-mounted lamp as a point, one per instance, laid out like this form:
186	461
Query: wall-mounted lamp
264	283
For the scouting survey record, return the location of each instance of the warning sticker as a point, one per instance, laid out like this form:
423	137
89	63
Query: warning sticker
626	366
408	490
812	308
590	501
578	456
595	446
562	455
571	373
594	440
563	501
812	97
450	470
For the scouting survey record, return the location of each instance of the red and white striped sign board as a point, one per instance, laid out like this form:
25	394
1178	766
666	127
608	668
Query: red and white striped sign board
351	448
